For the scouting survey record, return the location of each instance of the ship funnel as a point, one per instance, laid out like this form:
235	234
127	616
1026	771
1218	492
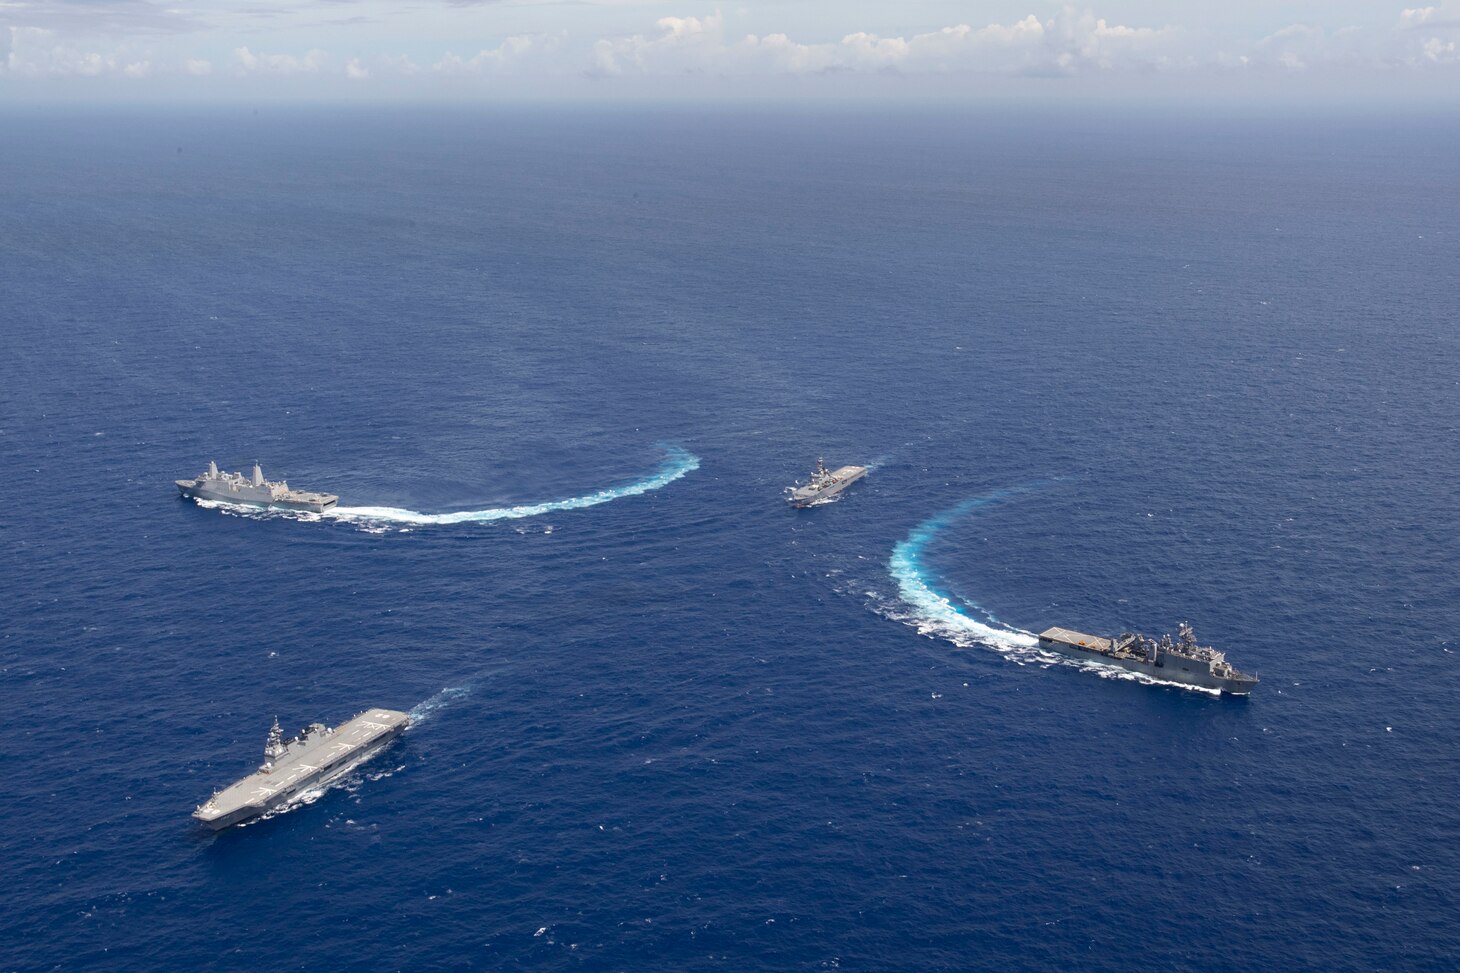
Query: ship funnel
258	475
212	470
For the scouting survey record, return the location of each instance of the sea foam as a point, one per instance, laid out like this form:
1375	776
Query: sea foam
935	614
677	463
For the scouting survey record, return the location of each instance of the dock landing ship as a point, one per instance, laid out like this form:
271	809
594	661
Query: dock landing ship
253	491
824	484
315	757
1180	661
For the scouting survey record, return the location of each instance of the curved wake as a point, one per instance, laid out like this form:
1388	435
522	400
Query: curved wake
677	463
936	614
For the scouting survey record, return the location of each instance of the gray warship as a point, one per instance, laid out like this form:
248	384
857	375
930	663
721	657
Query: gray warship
824	484
253	491
1181	660
291	767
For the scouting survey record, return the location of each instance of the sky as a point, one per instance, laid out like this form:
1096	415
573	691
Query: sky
463	50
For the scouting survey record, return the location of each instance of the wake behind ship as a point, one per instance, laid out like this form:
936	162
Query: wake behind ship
253	491
315	757
1181	661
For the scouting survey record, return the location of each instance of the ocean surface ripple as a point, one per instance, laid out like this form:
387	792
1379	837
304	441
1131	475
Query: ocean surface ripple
1217	357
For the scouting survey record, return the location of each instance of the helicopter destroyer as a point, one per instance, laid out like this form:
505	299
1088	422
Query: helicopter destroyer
1180	661
291	767
824	484
253	491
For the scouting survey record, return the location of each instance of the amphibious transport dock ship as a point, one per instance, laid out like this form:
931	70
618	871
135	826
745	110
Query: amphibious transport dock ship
254	491
824	484
1180	661
291	767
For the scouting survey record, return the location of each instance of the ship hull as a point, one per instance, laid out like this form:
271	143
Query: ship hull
1171	672
804	497
190	490
326	774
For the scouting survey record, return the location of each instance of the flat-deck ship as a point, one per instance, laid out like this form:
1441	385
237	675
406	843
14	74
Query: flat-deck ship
315	757
252	491
1180	660
824	484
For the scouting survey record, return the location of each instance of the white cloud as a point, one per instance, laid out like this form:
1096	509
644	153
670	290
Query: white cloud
130	41
399	64
509	54
36	52
250	63
1411	18
683	44
1434	35
1068	42
1440	51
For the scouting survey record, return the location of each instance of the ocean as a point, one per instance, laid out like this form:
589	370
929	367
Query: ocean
1111	371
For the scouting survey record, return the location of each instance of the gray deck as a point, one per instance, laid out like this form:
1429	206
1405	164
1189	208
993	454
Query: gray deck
353	735
1079	639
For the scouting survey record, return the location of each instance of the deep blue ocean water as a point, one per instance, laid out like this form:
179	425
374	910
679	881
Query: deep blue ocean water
1112	372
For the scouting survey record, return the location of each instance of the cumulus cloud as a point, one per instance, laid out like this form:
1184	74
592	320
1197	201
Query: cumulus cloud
511	53
399	64
247	62
35	52
682	44
130	38
1069	42
1445	17
1433	35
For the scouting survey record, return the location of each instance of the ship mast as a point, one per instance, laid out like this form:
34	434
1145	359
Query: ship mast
274	748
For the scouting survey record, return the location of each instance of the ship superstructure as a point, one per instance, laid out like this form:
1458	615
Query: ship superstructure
253	491
1180	660
316	756
824	484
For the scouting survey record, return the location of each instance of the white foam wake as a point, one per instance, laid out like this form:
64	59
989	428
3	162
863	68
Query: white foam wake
677	463
425	709
935	614
939	616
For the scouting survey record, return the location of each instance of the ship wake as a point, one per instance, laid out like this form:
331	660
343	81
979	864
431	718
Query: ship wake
427	708
351	777
937	615
677	463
